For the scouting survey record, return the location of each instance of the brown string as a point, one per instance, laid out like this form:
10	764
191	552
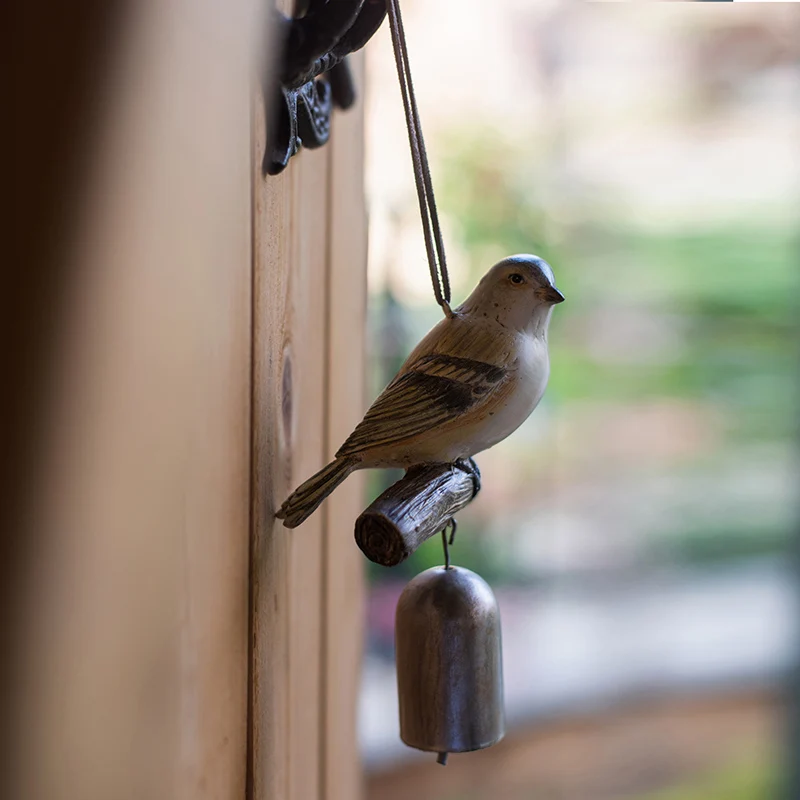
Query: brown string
422	174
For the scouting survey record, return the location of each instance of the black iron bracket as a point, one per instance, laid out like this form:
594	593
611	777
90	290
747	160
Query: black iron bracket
311	74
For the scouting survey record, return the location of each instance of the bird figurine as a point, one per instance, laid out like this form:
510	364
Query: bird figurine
472	381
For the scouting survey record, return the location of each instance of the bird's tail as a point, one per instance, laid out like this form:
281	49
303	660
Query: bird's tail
305	500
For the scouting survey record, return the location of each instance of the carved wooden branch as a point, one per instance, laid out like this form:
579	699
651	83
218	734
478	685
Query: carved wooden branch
415	508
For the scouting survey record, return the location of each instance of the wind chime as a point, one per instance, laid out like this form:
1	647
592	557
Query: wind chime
472	381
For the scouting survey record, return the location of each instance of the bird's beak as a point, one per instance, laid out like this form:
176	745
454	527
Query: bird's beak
550	294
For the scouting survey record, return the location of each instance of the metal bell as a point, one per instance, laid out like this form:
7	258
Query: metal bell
449	663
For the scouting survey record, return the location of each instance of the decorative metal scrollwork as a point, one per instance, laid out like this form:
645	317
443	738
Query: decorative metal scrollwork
311	75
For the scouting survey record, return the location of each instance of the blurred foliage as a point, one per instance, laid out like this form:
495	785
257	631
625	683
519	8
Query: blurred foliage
739	781
728	542
730	293
705	316
487	190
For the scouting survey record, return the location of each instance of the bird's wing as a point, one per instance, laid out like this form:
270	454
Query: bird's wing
434	390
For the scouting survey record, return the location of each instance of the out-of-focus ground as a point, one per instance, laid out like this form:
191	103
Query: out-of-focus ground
623	753
636	529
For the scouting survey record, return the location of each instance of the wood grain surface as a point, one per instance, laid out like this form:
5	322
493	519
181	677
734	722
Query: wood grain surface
173	642
135	647
308	373
412	510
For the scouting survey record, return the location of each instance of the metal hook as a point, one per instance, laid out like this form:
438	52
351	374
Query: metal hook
312	75
447	542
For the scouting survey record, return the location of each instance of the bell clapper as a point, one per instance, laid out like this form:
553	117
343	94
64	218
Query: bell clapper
442	759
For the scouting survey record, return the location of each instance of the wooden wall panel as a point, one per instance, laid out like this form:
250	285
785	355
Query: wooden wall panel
306	343
271	428
309	312
289	383
344	564
136	641
210	359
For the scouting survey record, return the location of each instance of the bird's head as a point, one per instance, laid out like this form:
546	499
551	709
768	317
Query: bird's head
519	291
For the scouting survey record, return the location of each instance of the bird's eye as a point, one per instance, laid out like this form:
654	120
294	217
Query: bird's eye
516	279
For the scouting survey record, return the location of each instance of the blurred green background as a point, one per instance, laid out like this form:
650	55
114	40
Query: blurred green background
638	528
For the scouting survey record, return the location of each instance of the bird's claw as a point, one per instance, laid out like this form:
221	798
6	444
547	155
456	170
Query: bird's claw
469	466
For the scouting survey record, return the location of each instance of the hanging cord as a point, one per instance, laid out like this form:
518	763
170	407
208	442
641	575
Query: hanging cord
422	174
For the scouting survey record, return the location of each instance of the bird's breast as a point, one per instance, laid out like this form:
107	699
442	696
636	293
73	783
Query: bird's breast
528	382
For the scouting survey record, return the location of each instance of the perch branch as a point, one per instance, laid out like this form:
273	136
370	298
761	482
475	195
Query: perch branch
415	508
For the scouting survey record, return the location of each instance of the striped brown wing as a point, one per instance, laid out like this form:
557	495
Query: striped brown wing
436	389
